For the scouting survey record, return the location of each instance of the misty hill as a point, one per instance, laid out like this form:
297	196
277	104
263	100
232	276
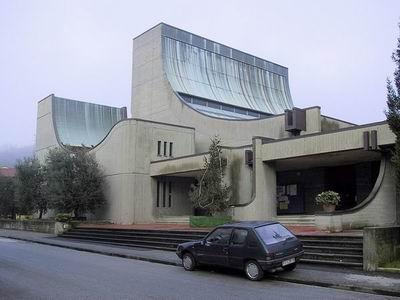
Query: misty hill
10	154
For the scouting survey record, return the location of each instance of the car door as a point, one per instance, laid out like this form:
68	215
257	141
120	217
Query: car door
215	247
237	248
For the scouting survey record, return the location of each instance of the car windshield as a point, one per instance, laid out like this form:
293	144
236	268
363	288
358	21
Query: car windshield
274	233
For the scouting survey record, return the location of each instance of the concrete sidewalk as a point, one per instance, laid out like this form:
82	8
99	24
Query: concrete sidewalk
340	278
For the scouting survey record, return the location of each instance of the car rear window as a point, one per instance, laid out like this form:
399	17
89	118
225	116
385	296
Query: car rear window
274	233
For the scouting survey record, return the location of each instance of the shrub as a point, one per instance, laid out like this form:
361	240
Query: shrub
328	197
63	217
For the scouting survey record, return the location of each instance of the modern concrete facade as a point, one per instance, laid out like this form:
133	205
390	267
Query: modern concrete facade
187	89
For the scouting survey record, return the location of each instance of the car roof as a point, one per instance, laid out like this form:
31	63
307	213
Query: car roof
249	224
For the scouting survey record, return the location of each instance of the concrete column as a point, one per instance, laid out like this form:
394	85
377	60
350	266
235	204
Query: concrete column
263	203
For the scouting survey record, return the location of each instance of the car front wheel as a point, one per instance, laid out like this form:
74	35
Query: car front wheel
188	262
253	270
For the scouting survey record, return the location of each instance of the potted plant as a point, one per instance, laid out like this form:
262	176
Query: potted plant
329	200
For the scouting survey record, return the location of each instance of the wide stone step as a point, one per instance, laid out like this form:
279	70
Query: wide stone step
176	240
155	233
173	220
331	240
333	257
336	263
168	245
338	250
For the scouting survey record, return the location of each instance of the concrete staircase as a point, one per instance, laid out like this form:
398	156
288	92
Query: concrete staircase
173	219
333	250
297	220
319	249
143	238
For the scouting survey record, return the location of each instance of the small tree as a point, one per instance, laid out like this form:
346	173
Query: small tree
7	197
74	181
29	187
393	112
211	193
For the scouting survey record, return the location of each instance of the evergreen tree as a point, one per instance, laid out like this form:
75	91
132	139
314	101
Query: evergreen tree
7	197
393	112
74	181
29	182
211	193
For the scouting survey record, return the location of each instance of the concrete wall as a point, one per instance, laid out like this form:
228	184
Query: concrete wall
380	245
181	205
154	99
341	140
125	156
44	226
380	209
261	205
45	133
329	123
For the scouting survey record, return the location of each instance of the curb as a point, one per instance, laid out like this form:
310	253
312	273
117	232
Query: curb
339	287
170	263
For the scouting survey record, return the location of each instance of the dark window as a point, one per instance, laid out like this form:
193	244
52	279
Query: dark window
254	114
170	149
200	102
290	118
239	237
163	195
170	194
274	233
241	111
214	105
159	148
220	236
158	193
165	148
227	108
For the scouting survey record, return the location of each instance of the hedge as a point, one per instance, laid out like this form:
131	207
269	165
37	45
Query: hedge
206	221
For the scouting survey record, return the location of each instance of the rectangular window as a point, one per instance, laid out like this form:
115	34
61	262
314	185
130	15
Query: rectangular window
163	195
159	148
165	148
170	149
158	193
169	194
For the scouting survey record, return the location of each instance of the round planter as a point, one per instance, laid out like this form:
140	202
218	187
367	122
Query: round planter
329	207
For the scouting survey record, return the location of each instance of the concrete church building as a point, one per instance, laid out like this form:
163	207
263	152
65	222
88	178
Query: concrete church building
185	90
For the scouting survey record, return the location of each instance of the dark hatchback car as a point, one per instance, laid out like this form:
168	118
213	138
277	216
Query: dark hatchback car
254	246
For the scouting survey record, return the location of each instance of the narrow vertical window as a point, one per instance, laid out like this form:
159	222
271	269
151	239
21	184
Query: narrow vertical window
170	149
159	148
164	192
169	194
158	193
165	148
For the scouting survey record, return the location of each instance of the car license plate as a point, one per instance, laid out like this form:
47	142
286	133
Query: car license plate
288	262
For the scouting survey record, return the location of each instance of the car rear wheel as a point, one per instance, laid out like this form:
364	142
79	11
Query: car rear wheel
188	262
253	270
290	267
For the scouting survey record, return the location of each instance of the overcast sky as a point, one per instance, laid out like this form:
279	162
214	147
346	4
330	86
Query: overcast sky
338	52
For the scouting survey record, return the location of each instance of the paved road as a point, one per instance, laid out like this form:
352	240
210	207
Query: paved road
32	271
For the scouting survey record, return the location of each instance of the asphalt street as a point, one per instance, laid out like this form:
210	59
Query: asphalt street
33	271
